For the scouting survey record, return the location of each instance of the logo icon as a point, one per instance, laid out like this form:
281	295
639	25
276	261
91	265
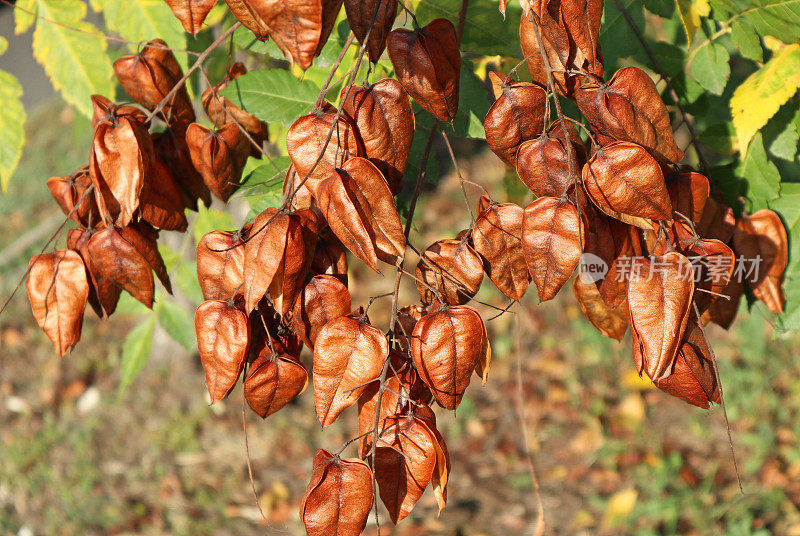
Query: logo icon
592	268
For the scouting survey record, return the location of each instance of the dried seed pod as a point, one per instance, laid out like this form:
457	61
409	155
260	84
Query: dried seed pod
103	293
612	323
58	290
144	238
407	318
714	264
626	183
191	13
103	108
515	117
360	15
220	265
161	204
543	164
385	121
219	156
659	300
447	346
323	299
295	190
629	108
722	311
116	264
270	332
223	337
330	257
348	354
453	268
149	76
553	237
717	221
359	207
614	243
120	163
688	193
171	150
222	111
428	64
272	382
70	194
761	238
497	237
339	497
306	141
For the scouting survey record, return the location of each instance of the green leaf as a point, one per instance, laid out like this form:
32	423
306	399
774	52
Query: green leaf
761	95
210	219
135	352
746	39
777	18
144	20
24	15
720	137
128	305
780	133
176	322
616	37
185	277
76	63
12	126
692	12
263	186
485	31
709	66
662	8
761	175
272	95
788	207
246	39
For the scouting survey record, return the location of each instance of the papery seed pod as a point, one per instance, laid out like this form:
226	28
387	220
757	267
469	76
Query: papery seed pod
761	238
428	64
385	121
219	156
222	331
120	163
339	497
222	111
149	76
348	354
191	13
543	163
58	290
116	264
409	455
626	183
144	238
452	268
659	301
305	142
295	190
717	221
714	263
330	13
220	265
272	382
161	204
515	117
722	311
70	194
447	346
612	323
497	237
688	193
103	108
360	16
330	257
171	150
614	243
323	299
270	332
359	207
407	318
629	108
553	238
289	280
103	292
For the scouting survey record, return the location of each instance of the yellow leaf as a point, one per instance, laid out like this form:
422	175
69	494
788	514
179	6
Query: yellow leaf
620	506
760	96
691	11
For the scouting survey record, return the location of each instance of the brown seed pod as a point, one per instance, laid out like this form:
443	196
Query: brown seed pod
626	183
269	332
103	294
219	156
722	311
453	268
339	497
222	111
348	354
385	121
612	323
70	194
761	238
497	237
714	263
191	13
447	346
103	109
116	264
553	238
150	75
359	16
58	290
161	204
323	299
144	240
223	337
272	382
407	318
629	108
330	257
171	150
220	265
305	142
717	221
688	193
359	207
659	301
428	64
543	163
515	117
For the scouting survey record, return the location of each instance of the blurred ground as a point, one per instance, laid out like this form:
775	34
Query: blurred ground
612	455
